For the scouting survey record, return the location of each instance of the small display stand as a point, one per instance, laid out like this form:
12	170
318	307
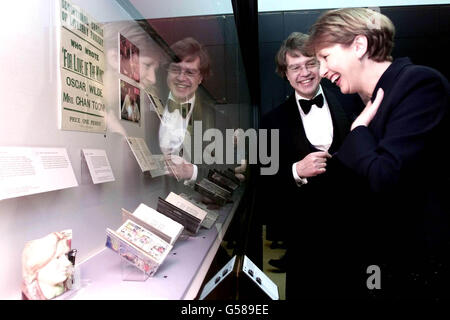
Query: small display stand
132	273
138	246
74	285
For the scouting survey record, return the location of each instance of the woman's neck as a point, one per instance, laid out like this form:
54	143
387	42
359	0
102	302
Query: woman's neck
369	78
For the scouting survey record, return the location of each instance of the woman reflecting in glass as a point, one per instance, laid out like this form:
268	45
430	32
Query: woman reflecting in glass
46	267
395	146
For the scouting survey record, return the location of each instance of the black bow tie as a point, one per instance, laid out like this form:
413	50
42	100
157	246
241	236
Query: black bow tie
183	107
307	104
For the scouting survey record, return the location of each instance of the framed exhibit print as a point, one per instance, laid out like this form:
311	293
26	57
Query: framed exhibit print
128	58
130	99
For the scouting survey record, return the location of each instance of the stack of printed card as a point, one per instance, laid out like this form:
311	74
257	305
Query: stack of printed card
145	238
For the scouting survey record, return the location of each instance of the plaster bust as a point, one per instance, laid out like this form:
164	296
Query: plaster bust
46	267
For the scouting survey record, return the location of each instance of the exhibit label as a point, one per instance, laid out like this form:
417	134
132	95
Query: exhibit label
98	164
25	171
82	66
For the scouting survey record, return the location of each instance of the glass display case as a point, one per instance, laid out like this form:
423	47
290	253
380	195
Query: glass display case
131	107
110	105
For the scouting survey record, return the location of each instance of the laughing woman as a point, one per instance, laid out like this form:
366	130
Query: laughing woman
397	145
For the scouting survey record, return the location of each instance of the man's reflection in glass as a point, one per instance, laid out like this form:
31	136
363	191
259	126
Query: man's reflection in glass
185	105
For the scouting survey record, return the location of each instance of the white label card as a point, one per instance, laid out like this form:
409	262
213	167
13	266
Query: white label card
25	171
98	164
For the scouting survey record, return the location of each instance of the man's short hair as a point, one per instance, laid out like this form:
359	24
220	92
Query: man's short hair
189	49
341	26
294	45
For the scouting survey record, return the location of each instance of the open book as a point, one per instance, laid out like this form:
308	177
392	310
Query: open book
138	245
211	216
158	223
183	211
187	206
222	180
214	192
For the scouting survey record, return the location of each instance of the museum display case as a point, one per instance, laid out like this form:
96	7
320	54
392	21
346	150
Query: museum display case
94	135
134	126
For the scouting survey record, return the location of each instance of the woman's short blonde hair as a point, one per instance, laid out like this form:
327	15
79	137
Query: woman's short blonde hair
341	26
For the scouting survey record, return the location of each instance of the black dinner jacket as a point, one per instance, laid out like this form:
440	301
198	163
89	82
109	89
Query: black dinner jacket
315	214
317	218
397	155
293	143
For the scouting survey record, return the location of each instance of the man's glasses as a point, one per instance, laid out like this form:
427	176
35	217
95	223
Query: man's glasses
176	70
295	68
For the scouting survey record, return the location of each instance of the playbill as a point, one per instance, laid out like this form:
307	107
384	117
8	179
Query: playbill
81	65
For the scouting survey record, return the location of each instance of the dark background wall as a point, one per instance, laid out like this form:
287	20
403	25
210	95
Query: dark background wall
422	33
218	34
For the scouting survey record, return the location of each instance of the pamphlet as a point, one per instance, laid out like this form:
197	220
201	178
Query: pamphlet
155	165
187	206
139	246
166	228
211	216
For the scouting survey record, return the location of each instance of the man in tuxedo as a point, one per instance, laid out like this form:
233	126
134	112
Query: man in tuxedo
312	124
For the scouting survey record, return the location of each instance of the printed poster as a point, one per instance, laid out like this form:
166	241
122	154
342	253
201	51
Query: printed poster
81	65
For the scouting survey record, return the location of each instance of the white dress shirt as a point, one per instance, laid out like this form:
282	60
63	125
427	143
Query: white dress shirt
318	127
173	131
